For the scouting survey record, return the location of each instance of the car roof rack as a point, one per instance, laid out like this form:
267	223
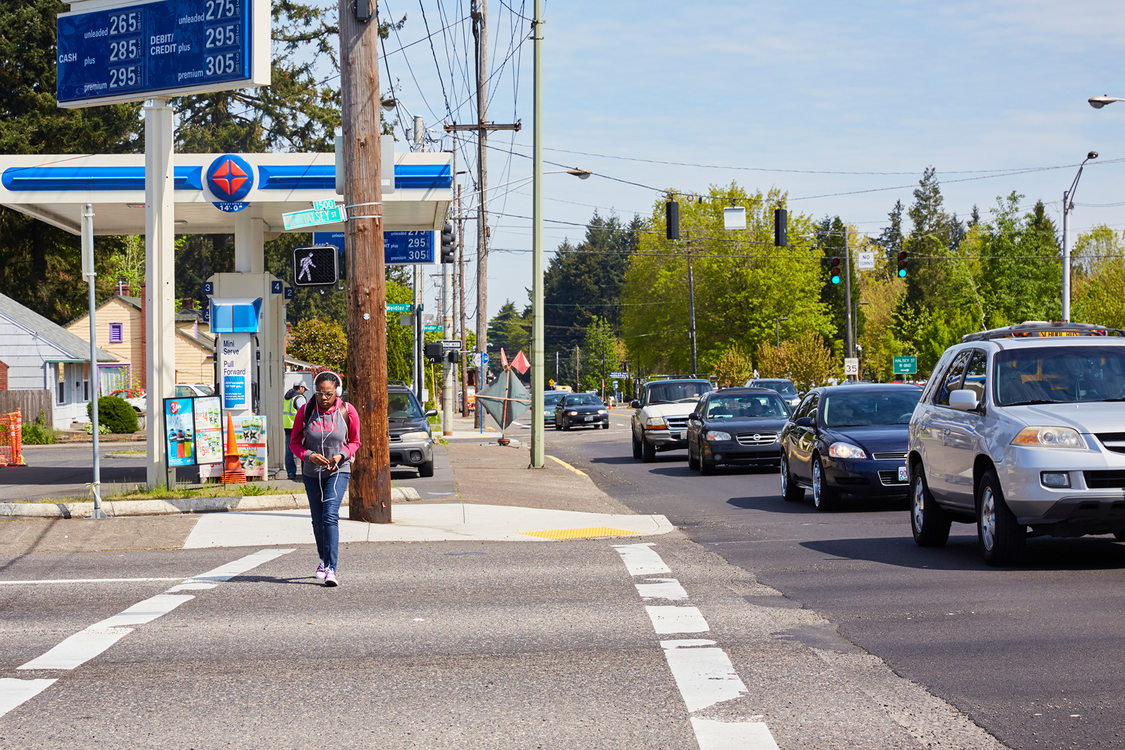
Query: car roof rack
398	382
1042	329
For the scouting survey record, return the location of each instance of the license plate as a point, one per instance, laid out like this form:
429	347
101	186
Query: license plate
903	474
676	435
589	419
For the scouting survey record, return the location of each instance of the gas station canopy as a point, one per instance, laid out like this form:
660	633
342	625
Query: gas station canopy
54	189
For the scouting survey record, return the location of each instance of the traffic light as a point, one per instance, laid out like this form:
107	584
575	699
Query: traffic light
902	265
835	274
672	220
447	243
315	266
780	227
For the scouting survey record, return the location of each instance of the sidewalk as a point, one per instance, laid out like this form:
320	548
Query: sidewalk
498	498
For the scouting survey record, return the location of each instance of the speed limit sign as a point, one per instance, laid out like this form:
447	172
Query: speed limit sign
851	365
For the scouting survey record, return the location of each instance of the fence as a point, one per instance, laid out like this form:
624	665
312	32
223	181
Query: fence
29	404
11	439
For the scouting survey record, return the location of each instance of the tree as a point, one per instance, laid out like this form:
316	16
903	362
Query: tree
742	283
599	355
805	360
1097	290
508	329
320	342
734	367
1020	270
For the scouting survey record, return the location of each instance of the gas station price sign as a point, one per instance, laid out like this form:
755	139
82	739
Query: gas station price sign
164	48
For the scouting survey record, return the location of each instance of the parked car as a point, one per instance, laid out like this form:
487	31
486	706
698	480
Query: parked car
581	409
135	397
550	401
736	426
783	386
848	443
411	442
660	420
1021	428
188	390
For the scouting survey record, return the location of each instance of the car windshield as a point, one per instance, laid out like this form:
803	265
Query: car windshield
864	408
552	398
584	399
746	407
784	387
403	406
205	389
667	393
1063	375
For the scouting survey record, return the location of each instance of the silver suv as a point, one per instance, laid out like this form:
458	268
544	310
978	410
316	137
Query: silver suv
1021	428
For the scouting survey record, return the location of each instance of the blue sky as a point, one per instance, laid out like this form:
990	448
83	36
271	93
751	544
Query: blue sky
775	94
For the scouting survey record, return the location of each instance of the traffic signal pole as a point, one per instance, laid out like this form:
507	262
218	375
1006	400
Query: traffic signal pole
369	491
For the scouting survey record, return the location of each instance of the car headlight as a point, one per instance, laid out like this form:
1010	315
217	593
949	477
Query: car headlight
846	450
419	435
717	435
601	411
655	422
1050	437
572	414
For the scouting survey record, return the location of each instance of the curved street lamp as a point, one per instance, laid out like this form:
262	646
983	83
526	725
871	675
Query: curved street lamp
1097	102
1068	203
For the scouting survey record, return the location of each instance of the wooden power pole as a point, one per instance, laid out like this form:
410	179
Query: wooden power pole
370	489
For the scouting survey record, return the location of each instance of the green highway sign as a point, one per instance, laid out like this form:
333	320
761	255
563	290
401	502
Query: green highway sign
401	308
905	365
314	216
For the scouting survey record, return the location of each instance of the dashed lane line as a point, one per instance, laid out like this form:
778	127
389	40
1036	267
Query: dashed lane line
95	639
702	670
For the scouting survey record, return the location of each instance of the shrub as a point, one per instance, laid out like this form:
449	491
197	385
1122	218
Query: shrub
38	432
116	414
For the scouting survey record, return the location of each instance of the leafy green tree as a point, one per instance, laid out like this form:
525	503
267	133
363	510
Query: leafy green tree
1020	270
742	283
511	330
599	355
1097	293
805	360
320	342
734	367
400	338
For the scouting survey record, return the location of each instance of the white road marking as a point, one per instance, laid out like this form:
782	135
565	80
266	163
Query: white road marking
94	640
13	692
86	580
703	672
669	620
662	588
723	735
642	560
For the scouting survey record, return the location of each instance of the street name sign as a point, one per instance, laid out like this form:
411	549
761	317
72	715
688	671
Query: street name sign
313	217
619	375
400	307
905	365
129	51
433	327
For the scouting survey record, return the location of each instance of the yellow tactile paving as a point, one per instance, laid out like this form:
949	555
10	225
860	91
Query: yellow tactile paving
579	533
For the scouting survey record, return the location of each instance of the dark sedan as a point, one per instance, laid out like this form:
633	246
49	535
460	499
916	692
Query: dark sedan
581	409
848	443
735	426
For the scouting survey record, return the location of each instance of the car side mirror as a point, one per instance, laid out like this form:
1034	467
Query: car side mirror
634	404
803	421
963	399
432	413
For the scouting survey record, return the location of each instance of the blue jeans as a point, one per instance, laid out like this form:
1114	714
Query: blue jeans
290	459
325	491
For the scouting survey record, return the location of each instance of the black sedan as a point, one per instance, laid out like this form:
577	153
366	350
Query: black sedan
581	409
848	443
736	426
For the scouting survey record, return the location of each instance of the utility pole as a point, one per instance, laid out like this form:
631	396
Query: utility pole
479	13
419	371
691	307
369	491
461	305
577	370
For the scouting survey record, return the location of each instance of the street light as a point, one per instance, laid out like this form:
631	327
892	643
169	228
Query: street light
777	330
1068	203
1097	102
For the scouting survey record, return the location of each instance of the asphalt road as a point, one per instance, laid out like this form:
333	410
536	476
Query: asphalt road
1031	653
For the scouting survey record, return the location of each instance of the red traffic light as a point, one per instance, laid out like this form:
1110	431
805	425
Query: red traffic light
834	273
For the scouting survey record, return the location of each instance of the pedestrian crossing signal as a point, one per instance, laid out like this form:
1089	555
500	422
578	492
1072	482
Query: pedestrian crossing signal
315	265
834	274
902	265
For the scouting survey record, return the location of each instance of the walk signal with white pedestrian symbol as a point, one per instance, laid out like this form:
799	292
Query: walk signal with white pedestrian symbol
315	266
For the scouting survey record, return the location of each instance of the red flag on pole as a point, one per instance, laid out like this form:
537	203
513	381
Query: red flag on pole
520	363
503	359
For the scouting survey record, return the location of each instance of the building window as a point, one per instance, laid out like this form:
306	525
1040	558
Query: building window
116	333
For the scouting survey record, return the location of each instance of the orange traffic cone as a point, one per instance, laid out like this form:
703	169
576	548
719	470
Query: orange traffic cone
233	473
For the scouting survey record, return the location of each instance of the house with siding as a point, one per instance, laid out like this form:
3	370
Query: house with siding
120	323
36	355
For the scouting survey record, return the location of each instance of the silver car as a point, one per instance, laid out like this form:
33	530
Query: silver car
1021	428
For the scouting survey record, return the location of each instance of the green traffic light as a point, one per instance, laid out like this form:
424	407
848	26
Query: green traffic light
836	279
902	273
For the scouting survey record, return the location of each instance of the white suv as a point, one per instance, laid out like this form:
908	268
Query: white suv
661	417
1021	428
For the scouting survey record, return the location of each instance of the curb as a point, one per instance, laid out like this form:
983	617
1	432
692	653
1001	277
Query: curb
118	508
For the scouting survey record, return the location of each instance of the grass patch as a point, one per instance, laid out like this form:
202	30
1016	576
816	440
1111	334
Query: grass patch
175	493
129	453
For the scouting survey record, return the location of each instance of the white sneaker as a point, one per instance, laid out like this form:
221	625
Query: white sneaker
330	578
321	570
